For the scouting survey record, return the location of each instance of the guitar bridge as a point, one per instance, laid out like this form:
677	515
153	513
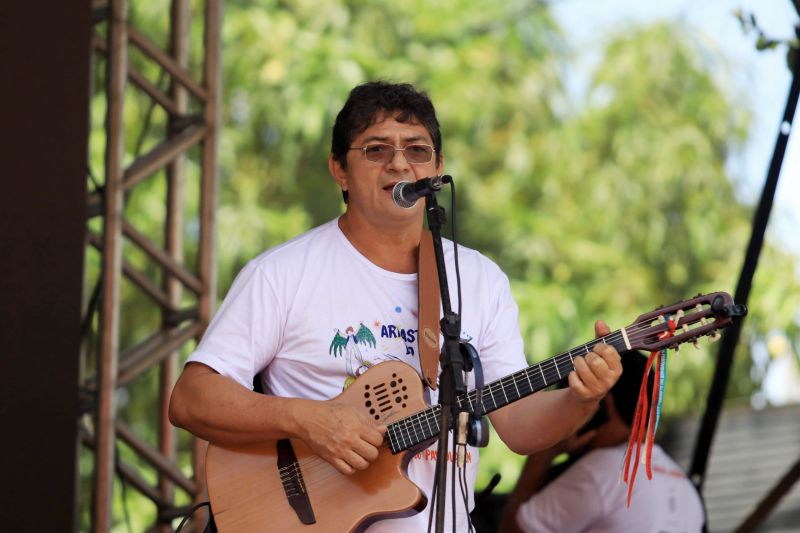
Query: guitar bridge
293	484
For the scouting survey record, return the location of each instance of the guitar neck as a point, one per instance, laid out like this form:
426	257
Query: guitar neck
424	425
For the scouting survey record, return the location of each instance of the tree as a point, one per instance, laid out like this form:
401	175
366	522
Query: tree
607	209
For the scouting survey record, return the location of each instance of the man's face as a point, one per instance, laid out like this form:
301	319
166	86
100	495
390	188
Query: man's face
369	184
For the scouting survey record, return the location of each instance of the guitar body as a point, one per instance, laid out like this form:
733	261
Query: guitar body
247	487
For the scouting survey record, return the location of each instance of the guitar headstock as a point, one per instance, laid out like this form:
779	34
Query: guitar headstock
704	314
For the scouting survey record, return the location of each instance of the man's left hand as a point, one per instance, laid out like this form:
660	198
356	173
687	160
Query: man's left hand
596	372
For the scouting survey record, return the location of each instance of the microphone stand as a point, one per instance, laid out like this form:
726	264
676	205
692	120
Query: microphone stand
451	379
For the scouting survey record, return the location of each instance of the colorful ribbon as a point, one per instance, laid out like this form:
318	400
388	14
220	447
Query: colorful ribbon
645	421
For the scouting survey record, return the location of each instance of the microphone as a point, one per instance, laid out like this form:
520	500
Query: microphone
406	193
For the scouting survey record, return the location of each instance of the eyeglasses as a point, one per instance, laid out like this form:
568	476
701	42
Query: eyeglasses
416	154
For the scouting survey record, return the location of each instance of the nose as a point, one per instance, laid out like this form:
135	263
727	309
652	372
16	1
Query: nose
398	161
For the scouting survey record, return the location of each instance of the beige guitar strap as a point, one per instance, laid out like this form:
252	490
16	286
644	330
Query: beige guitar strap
429	306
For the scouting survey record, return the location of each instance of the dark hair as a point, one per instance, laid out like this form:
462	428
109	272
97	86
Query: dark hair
366	104
626	390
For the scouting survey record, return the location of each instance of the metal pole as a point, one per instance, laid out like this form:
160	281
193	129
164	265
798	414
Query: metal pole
112	264
730	337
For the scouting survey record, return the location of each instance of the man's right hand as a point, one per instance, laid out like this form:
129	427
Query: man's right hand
337	432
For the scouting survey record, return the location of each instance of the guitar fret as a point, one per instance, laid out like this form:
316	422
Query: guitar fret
419	434
503	388
427	421
409	436
528	377
393	437
435	415
544	380
557	370
514	381
492	395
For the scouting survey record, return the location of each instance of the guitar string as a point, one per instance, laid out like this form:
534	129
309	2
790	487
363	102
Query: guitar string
414	422
519	379
549	368
523	377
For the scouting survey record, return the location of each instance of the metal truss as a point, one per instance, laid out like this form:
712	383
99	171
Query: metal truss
182	296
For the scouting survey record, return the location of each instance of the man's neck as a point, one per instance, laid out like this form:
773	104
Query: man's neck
391	248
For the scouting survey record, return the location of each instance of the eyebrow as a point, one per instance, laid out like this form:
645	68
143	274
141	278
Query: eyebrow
385	139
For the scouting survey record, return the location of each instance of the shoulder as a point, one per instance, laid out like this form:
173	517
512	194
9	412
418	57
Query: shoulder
297	249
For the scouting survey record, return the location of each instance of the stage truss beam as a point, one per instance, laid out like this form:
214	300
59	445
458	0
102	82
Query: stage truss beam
179	323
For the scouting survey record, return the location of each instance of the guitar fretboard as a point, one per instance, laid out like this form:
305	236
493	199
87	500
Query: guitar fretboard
424	425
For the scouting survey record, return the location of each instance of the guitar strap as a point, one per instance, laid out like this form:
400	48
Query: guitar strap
429	306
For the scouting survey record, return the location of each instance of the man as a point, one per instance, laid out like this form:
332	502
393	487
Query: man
589	495
311	315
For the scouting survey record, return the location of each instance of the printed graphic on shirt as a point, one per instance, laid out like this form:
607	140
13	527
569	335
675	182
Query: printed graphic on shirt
430	455
361	350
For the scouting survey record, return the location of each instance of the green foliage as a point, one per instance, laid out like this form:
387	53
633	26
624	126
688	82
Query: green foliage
602	211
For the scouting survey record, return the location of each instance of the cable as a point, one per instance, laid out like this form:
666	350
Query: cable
455	243
432	503
191	512
453	478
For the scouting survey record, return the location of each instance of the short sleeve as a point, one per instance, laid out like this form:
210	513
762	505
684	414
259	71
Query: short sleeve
244	335
501	350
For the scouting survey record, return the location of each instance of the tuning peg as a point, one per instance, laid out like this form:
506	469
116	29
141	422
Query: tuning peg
714	337
696	343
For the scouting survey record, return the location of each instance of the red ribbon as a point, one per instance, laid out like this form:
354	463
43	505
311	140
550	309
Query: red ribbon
644	423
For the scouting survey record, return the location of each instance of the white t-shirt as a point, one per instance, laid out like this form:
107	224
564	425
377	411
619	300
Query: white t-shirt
591	497
313	313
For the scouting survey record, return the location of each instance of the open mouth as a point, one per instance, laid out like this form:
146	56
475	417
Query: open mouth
390	186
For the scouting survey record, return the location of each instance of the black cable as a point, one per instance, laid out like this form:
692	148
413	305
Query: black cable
453	478
432	503
191	512
463	482
455	243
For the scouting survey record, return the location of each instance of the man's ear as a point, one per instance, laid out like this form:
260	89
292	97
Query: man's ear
337	172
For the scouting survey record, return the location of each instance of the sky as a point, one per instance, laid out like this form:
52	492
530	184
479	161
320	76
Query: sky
759	79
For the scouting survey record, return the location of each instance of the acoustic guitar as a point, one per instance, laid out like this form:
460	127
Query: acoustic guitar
283	486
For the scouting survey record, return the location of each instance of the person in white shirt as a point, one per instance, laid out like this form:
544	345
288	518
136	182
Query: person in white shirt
587	494
310	316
